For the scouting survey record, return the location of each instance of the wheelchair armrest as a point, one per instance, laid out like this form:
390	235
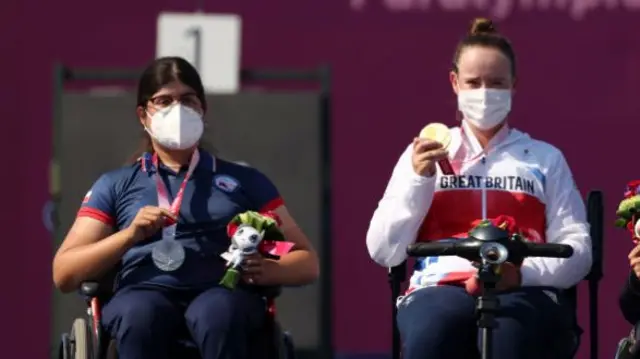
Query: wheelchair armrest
103	289
90	289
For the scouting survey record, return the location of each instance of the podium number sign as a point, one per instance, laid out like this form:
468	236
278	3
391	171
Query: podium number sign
209	42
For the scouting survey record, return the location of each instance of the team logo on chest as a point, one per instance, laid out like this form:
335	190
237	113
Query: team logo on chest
226	183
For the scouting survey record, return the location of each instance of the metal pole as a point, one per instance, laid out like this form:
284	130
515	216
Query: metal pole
487	339
58	79
59	74
326	321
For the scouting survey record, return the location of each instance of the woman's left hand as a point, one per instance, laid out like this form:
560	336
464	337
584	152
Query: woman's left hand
509	278
257	270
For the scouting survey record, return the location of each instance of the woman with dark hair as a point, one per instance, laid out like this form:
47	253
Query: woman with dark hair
499	171
163	220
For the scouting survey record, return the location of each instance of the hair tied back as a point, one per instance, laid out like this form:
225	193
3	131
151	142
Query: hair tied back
482	26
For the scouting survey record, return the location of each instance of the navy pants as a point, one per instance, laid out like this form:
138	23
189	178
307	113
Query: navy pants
440	323
147	322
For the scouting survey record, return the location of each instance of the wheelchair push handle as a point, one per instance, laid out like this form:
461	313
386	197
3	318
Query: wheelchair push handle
548	250
490	244
445	247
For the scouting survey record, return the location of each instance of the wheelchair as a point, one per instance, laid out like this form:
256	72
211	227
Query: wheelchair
595	213
87	339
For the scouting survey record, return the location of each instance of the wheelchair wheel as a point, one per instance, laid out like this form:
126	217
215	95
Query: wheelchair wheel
63	349
80	340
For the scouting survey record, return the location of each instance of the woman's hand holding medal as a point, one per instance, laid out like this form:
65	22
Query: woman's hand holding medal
426	153
429	148
148	221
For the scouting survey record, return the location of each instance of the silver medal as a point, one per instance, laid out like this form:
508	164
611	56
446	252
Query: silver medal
168	254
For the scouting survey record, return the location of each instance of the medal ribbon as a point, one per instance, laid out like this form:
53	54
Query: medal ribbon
163	192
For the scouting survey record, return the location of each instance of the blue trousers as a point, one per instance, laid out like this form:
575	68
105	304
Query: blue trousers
147	322
440	323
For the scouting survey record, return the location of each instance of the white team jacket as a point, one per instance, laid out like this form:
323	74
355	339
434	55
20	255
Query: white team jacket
523	178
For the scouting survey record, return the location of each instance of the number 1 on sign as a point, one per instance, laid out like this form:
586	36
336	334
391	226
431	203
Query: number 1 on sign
210	42
197	46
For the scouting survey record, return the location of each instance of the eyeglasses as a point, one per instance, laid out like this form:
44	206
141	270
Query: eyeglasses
164	101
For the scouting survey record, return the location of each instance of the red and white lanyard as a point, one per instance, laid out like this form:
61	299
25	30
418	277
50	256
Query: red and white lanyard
163	192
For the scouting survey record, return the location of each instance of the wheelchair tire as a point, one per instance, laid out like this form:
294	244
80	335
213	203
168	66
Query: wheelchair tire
63	350
80	340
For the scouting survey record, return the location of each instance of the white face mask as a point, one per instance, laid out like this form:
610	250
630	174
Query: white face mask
484	108
177	127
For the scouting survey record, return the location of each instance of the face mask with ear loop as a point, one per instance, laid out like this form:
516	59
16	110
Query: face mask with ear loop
484	108
177	127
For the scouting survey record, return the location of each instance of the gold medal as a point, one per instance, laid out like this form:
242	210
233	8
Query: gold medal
440	133
437	132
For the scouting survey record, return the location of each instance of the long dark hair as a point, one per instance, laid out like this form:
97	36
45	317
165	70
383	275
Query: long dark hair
158	74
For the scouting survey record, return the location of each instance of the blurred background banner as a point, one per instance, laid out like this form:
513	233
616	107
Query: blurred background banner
578	75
